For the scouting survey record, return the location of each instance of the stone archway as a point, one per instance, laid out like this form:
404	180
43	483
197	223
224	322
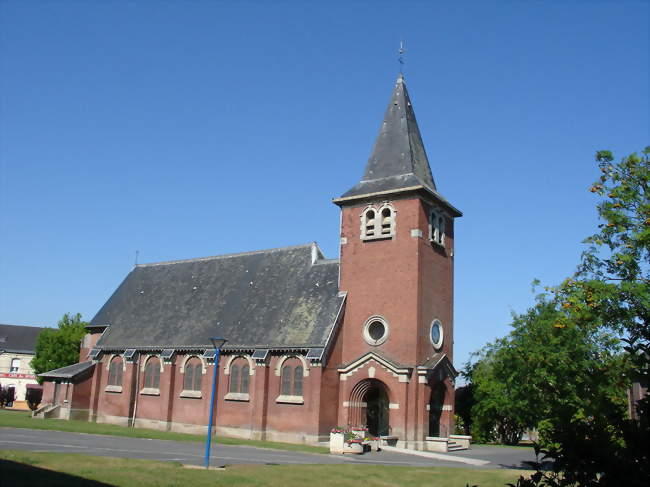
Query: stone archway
435	410
369	406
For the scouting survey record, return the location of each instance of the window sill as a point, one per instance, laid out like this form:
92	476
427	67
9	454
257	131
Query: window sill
113	389
150	391
289	399
378	237
194	394
237	396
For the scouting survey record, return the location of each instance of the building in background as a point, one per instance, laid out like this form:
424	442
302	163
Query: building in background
17	349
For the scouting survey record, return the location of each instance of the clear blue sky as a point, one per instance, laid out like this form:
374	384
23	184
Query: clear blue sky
194	128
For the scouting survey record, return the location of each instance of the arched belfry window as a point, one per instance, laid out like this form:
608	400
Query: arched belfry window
378	222
386	221
437	227
369	227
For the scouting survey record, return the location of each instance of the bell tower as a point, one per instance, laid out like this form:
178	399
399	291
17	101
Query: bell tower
397	268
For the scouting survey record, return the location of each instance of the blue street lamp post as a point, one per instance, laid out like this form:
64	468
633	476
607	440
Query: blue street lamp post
217	343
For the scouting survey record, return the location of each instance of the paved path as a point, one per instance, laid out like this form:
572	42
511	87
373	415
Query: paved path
192	453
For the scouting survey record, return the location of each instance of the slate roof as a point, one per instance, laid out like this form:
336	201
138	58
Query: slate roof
398	161
18	338
69	372
439	359
278	298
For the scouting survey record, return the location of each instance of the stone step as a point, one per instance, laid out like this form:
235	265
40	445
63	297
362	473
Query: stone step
453	446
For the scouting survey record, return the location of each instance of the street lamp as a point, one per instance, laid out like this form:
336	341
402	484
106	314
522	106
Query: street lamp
217	343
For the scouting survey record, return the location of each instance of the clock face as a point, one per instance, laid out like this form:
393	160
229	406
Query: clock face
436	334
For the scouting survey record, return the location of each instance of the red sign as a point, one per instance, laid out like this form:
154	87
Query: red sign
10	375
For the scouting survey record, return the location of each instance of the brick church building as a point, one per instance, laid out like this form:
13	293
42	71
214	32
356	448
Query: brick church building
313	343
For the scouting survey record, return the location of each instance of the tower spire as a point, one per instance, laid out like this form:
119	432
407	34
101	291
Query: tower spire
398	159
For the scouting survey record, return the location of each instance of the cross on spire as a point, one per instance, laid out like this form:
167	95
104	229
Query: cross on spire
400	58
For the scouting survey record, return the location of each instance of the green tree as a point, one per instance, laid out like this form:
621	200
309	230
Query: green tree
58	347
610	290
521	380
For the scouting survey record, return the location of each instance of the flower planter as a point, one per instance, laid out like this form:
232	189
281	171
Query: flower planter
374	445
337	442
356	448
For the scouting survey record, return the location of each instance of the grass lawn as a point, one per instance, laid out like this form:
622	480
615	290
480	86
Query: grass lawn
23	419
23	469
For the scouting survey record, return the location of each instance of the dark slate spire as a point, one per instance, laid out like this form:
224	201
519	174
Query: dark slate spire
398	159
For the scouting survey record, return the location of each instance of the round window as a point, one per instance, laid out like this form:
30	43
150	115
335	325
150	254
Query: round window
436	334
375	331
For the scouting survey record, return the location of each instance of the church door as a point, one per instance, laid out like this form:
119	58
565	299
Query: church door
376	401
435	411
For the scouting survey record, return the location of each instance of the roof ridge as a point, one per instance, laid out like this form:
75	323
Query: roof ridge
225	256
24	326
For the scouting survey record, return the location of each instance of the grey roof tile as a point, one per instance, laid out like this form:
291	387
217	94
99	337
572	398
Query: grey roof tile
69	372
398	158
285	297
19	338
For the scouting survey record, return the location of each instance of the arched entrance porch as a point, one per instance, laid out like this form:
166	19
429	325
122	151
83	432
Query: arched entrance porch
369	406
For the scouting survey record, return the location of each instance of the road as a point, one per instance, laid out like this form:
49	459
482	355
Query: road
192	453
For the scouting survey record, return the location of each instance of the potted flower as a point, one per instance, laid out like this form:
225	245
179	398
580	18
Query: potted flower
353	444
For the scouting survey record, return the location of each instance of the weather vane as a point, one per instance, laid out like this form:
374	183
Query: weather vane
400	58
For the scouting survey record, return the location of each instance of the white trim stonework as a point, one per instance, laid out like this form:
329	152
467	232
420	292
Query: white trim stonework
284	358
204	366
366	334
251	364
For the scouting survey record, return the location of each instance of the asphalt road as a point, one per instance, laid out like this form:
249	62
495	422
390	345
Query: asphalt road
192	453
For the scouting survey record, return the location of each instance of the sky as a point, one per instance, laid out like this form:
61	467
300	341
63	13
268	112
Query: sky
184	129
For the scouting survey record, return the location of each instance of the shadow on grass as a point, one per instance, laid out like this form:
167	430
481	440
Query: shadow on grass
529	465
15	474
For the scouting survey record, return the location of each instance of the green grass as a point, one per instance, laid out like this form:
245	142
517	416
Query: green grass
22	419
22	469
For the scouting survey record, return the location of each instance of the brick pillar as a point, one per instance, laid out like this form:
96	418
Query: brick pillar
95	391
171	395
259	393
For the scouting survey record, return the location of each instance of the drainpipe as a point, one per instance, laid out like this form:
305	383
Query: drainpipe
137	388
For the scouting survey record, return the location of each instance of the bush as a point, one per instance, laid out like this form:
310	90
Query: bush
7	396
34	396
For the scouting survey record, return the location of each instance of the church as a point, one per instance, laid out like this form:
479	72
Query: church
312	343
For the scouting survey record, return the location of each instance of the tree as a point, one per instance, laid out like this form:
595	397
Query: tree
58	347
520	381
610	290
464	398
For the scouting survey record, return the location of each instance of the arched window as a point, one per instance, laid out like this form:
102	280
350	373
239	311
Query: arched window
234	378
386	222
115	372
291	378
286	380
245	374
152	373
297	381
369	224
437	222
239	376
193	375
